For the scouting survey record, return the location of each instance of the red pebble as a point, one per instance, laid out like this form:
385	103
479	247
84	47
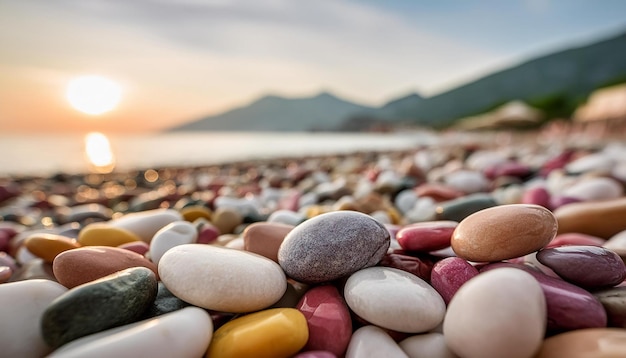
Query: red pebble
449	274
426	236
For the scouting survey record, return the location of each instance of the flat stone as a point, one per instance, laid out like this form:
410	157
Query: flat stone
467	181
426	236
203	276
411	305
333	245
449	274
597	218
438	192
614	302
146	223
48	246
504	232
586	266
460	208
372	341
426	345
111	301
139	247
286	217
172	234
483	319
194	212
585	343
265	238
101	234
278	332
595	189
78	266
328	320
184	333
21	306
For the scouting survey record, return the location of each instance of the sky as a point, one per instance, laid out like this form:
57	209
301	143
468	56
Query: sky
177	61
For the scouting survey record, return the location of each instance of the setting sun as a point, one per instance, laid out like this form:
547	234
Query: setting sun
93	94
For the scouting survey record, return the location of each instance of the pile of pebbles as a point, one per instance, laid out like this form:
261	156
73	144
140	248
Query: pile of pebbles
465	249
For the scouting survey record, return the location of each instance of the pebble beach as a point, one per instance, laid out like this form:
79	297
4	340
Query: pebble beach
499	245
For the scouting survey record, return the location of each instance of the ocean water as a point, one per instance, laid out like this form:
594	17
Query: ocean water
50	154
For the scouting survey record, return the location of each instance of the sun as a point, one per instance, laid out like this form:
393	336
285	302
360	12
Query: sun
93	94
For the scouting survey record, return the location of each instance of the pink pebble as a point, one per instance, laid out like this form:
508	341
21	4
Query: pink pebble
207	234
574	238
449	274
316	354
5	273
511	169
558	201
8	260
538	196
139	247
426	236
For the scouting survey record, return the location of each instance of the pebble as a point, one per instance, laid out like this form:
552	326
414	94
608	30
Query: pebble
145	224
100	234
420	265
332	245
139	247
48	246
222	279
585	343
78	266
449	274
590	267
412	306
483	317
602	219
426	345
111	301
165	302
265	238
617	243
173	234
195	212
467	181
184	333
504	232
278	332
426	236
286	217
595	189
21	306
573	238
614	302
373	342
459	209
328	320
226	220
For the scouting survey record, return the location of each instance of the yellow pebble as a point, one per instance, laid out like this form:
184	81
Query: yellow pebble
192	213
48	246
394	215
315	210
100	234
278	332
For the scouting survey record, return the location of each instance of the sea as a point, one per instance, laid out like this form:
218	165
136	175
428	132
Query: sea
42	155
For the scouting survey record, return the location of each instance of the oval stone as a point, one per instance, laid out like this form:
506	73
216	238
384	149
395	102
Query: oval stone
328	320
278	332
426	345
483	319
111	301
411	305
48	246
21	306
460	208
333	245
194	212
265	238
585	343
573	238
585	266
78	266
100	234
614	302
449	274
222	279
419	265
146	223
139	247
184	333
165	302
426	236
173	234
372	341
504	232
226	220
597	218
595	189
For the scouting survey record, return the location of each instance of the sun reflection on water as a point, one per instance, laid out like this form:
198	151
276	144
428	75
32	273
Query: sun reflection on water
98	152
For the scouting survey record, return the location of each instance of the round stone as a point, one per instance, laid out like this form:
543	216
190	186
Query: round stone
222	279
173	234
484	321
410	304
333	245
504	232
226	220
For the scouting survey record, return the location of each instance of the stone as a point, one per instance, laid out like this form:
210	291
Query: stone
328	320
184	333
35	269
585	343
616	243
173	234
411	305
467	181
226	220
332	245
602	219
111	301
438	192
265	238
598	163
569	307
419	265
589	267
426	345
614	302
21	306
595	189
315	354
483	319
449	274
504	232
207	233
101	234
278	332
426	236
139	247
573	238
194	212
48	246
5	273
165	302
203	275
146	223
538	196
460	208
371	341
78	266
286	217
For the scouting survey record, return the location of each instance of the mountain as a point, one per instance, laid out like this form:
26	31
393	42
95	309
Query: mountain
272	113
556	83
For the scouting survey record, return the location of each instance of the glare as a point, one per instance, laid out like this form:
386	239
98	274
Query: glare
93	94
99	153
